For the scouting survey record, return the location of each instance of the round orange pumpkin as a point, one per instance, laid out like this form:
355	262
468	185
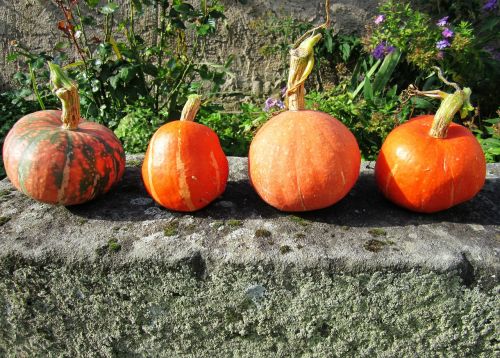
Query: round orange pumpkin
303	160
185	168
57	157
429	164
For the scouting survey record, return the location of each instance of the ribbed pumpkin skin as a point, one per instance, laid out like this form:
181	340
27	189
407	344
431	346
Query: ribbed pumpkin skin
59	166
303	160
185	168
427	174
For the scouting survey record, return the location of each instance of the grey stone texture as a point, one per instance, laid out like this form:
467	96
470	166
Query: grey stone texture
123	277
33	23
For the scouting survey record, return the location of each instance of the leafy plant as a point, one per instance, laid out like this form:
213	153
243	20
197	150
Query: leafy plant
137	127
464	44
235	129
121	73
334	55
489	138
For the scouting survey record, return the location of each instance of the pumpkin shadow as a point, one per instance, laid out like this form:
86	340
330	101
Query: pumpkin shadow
364	206
129	201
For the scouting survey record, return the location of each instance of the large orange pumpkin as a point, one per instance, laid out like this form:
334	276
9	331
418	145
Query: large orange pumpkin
303	160
429	164
185	168
57	157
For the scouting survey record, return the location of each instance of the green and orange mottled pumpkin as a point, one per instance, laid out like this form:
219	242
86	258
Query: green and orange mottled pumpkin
58	158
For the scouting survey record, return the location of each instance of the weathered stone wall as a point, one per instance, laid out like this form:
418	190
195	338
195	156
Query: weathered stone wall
122	277
34	24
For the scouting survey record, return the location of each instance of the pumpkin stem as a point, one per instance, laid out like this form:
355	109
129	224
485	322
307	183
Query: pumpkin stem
451	104
67	91
191	108
302	63
301	66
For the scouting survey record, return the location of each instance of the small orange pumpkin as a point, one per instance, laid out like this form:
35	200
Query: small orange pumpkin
57	157
429	164
303	160
185	168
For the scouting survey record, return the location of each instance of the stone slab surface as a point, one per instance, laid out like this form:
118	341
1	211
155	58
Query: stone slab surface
123	277
362	233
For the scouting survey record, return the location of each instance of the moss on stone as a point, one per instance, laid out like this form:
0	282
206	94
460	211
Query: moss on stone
82	221
374	245
234	223
262	233
4	220
134	163
284	249
114	245
298	220
376	232
171	228
217	224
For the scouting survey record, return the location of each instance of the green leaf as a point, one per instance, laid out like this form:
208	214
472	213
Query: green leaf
346	51
12	56
203	29
88	20
113	81
184	8
328	42
367	89
367	75
92	3
385	72
137	5
109	8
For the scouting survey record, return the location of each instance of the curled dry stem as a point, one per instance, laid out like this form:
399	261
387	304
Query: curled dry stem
302	64
311	32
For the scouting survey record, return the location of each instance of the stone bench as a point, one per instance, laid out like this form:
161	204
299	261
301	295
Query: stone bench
123	277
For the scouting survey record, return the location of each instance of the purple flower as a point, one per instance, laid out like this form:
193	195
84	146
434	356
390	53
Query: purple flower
442	22
283	91
382	50
490	5
447	33
441	45
379	19
272	102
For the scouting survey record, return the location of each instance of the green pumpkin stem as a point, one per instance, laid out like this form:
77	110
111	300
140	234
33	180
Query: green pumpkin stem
191	108
302	64
67	91
451	104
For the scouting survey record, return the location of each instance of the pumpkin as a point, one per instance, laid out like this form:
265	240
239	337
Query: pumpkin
185	168
58	158
303	160
429	164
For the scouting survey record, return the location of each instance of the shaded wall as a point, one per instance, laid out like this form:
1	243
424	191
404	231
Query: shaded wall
33	23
